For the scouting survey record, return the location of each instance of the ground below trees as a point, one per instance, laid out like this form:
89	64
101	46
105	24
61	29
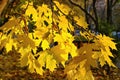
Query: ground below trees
10	70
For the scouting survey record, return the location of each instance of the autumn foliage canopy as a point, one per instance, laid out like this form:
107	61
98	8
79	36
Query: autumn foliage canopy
44	36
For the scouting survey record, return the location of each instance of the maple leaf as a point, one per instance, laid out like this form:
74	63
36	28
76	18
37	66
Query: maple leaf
3	41
50	62
34	65
57	52
63	37
81	21
44	16
65	9
63	23
83	62
41	33
30	11
105	58
79	70
45	44
28	59
9	25
31	63
33	38
44	10
105	43
86	52
65	42
42	57
46	60
24	56
10	44
24	41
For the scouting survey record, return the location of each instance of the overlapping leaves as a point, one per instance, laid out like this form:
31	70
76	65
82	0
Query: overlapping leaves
38	49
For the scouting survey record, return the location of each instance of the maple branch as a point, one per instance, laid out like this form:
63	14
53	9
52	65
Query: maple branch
85	11
26	7
59	9
73	22
68	17
51	6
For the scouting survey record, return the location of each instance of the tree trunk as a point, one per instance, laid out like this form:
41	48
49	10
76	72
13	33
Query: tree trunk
95	14
109	11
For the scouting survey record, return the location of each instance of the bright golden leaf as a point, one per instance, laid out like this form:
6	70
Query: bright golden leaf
57	52
24	41
64	8
30	11
81	21
24	56
107	41
50	62
10	44
45	44
9	25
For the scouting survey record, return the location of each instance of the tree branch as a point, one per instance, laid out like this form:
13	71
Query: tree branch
85	11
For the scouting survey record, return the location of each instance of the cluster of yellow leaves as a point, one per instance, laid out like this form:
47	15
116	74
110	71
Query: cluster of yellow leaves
44	36
105	43
63	8
89	55
7	34
81	64
50	28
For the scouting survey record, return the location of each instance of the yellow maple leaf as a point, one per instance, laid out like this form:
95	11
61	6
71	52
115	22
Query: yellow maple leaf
65	42
107	41
46	60
44	17
63	23
86	52
33	38
50	62
63	37
57	52
41	33
38	67
45	44
42	58
31	62
64	8
10	44
78	69
81	21
24	41
24	56
44	10
31	11
106	58
3	41
10	24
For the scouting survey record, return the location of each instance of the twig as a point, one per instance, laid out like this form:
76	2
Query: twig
83	10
